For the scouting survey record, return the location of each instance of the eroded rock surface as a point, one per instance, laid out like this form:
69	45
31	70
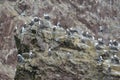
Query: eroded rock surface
59	55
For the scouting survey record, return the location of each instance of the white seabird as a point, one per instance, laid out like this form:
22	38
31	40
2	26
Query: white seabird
46	16
49	52
16	27
20	58
100	41
32	22
36	19
100	59
58	24
116	58
115	43
30	54
101	29
23	29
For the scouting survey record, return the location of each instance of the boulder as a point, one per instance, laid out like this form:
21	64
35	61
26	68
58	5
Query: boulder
45	24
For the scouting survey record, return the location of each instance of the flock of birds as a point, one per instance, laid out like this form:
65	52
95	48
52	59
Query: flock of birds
113	44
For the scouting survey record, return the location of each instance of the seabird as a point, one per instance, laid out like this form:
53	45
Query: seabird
83	33
49	52
46	16
36	19
68	32
86	34
25	25
93	37
96	43
23	29
100	41
73	30
101	29
115	43
82	40
15	30
112	47
20	58
68	55
100	59
109	68
58	24
31	23
105	54
115	59
97	46
30	54
110	42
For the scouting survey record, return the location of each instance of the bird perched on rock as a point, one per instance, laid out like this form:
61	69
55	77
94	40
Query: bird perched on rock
83	33
46	16
97	46
16	28
71	31
68	31
20	58
106	54
30	54
101	28
109	68
49	52
110	42
100	41
25	25
93	38
99	60
31	23
68	55
82	39
86	34
112	47
58	24
36	19
115	59
115	43
23	29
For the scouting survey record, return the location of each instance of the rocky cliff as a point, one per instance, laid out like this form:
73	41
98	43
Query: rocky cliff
58	54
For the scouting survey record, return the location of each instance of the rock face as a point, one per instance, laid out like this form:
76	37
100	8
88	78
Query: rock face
55	58
62	56
70	56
